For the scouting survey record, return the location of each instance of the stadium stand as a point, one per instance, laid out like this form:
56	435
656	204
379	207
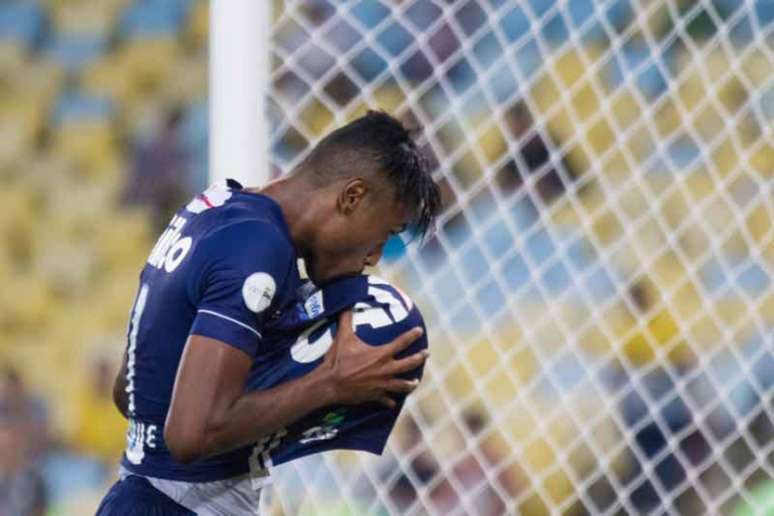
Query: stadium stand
82	84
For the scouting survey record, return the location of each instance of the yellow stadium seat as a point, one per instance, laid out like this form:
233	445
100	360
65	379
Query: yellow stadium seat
108	77
41	79
99	428
139	68
315	119
760	222
82	16
21	121
13	58
762	160
18	214
199	24
148	61
26	304
756	68
187	80
568	74
90	144
731	87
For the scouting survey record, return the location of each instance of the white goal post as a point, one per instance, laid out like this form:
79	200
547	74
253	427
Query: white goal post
599	292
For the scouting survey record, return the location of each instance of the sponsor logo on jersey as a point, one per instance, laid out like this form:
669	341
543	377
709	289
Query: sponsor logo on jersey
318	433
326	431
258	291
314	305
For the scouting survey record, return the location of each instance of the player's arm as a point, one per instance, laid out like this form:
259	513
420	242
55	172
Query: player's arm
210	413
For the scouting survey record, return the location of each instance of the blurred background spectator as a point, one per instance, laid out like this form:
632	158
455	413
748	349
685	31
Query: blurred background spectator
159	176
22	490
26	411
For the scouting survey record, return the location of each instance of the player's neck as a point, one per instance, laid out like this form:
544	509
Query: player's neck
297	200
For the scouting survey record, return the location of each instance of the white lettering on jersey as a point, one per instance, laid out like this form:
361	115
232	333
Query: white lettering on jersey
138	436
373	316
304	351
170	249
176	254
377	316
258	291
376	280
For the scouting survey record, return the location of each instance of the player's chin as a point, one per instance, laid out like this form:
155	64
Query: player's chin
319	275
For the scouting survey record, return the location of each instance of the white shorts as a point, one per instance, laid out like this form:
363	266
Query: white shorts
229	497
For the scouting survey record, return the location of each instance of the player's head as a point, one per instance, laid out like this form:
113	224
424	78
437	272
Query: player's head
372	181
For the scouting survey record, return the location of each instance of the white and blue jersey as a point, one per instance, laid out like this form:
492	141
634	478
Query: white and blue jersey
224	267
296	343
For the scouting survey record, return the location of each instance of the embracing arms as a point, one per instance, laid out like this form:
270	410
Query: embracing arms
211	413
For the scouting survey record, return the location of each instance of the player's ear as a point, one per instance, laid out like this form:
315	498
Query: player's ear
351	195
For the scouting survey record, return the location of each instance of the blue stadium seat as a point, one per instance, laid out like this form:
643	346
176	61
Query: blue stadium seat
743	275
74	51
144	18
764	9
648	64
74	105
22	21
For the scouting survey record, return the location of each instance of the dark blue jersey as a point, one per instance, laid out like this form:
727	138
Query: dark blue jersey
224	267
297	343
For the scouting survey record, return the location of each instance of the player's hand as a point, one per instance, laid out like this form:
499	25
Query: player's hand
359	372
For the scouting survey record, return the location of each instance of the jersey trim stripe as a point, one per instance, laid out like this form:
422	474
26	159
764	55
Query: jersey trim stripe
243	325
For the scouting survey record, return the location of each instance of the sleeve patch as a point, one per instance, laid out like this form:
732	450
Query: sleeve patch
258	291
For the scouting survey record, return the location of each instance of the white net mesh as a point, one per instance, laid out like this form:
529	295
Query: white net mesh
599	291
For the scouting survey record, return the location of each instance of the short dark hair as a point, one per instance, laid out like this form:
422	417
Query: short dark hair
380	139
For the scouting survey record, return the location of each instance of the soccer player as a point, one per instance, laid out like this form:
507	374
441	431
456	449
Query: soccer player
222	273
297	343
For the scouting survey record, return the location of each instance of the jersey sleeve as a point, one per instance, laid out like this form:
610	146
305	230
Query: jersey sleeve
244	266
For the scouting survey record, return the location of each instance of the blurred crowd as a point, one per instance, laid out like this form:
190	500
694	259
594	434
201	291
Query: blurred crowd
104	129
598	290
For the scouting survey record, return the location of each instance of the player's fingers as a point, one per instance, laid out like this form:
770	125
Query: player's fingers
387	402
409	363
404	340
401	386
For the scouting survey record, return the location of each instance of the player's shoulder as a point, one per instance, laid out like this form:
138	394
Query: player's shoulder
227	212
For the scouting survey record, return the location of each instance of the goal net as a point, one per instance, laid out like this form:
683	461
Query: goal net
598	291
